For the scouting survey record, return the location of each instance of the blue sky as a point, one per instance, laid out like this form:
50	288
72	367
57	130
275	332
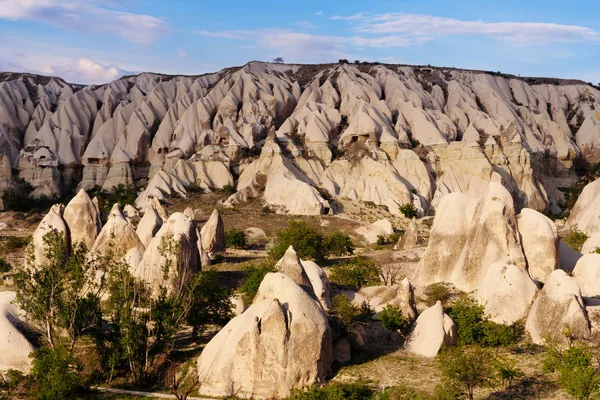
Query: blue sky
95	41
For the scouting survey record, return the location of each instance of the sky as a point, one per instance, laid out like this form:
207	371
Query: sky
96	41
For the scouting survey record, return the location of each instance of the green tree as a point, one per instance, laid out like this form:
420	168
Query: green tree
507	371
338	244
576	375
392	319
254	276
348	314
468	368
4	266
409	210
308	243
210	301
55	374
235	238
356	272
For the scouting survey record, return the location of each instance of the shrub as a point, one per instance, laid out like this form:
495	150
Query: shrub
576	374
392	319
348	313
409	210
210	301
467	368
228	190
356	272
19	198
54	373
473	326
308	243
576	240
235	238
394	237
338	244
14	243
254	277
4	266
438	292
381	240
335	391
121	194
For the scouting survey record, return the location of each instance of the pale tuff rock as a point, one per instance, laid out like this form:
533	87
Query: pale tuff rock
405	299
205	260
83	220
117	236
133	258
130	213
213	235
378	297
410	239
162	212
52	222
237	304
149	225
371	233
585	215
171	257
558	306
254	233
189	212
568	257
587	274
280	343
432	330
290	265
506	293
469	235
540	241
319	282
14	347
591	244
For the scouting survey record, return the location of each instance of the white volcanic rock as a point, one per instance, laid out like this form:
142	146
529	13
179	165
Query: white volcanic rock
587	274
558	306
378	297
52	222
280	343
14	347
291	265
83	220
504	285
568	257
171	257
117	236
148	225
319	282
585	215
540	243
591	244
432	330
213	234
371	233
469	235
410	239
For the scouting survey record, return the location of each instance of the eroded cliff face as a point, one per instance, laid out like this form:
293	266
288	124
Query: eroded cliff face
290	133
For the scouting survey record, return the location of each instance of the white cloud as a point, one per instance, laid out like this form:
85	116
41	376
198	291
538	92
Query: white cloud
319	13
82	70
422	28
181	53
86	16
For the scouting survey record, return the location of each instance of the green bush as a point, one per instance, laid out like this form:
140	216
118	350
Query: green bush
576	240
338	244
467	368
356	273
438	292
308	243
14	243
409	210
392	319
335	391
121	194
19	198
473	326
210	301
227	190
235	238
4	266
55	374
348	313
254	277
382	240
576	375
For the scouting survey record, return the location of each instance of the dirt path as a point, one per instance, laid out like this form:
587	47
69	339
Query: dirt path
143	394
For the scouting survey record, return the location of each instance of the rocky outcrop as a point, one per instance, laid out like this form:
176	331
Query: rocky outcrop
585	215
290	265
591	244
432	330
52	222
371	233
14	346
506	293
213	235
319	282
558	306
117	236
172	256
540	241
587	274
378	297
83	220
468	235
149	225
410	239
280	343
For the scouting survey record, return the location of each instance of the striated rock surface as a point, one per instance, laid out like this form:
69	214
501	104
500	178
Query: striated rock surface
280	343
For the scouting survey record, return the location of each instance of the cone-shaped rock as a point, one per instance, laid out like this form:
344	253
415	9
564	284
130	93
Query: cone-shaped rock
83	220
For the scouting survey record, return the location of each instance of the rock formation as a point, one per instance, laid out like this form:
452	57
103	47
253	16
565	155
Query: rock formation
371	233
14	347
540	241
290	265
587	274
558	306
585	215
117	236
149	225
213	235
280	343
52	222
410	239
83	220
432	330
319	282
